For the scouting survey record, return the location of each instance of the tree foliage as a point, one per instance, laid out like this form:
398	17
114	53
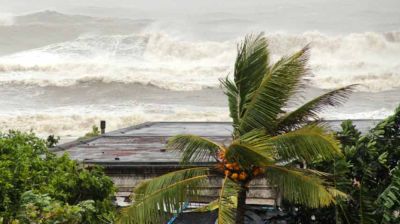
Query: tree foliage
368	173
28	166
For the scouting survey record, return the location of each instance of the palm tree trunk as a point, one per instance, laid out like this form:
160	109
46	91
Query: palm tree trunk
241	205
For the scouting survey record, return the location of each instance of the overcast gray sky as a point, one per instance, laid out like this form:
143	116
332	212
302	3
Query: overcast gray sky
323	15
193	6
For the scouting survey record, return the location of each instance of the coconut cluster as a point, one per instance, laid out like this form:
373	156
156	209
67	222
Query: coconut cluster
234	171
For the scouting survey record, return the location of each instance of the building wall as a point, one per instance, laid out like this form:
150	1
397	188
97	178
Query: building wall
127	179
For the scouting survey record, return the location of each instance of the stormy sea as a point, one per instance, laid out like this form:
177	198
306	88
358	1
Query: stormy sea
66	66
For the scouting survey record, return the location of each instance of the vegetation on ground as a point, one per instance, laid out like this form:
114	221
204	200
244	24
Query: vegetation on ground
36	186
268	142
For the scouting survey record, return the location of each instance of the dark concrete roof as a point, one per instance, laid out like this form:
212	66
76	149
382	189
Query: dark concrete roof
143	144
196	217
255	214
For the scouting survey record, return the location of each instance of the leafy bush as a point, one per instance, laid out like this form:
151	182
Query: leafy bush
27	165
369	173
95	132
41	208
52	141
388	201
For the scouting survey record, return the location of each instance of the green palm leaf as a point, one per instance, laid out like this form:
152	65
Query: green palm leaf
301	187
251	65
309	111
266	102
211	206
227	202
251	149
194	148
232	93
246	156
157	199
308	143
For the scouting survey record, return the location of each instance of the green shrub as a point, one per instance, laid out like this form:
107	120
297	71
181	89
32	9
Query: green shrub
41	208
368	173
95	132
28	166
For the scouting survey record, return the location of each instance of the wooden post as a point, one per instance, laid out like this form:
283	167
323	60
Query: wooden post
103	127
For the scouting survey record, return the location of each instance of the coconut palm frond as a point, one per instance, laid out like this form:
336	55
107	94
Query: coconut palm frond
309	111
251	65
213	205
157	199
337	194
246	156
194	148
266	102
250	149
228	199
308	143
300	187
256	138
232	93
227	202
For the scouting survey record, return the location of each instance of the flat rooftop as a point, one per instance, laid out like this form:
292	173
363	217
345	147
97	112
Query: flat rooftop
144	144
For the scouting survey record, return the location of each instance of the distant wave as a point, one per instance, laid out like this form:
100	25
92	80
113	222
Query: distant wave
369	59
367	115
22	32
54	17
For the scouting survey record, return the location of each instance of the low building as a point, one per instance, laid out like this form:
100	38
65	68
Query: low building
134	154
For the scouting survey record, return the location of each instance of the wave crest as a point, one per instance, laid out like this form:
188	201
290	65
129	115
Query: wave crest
369	59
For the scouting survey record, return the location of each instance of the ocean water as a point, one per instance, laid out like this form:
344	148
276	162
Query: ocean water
66	65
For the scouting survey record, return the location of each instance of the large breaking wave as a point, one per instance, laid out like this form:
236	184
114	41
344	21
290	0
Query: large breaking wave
369	59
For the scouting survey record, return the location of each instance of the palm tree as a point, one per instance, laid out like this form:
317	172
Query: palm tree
267	141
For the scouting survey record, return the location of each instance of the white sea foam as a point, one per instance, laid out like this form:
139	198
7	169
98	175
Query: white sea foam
369	59
6	19
71	122
74	121
375	114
